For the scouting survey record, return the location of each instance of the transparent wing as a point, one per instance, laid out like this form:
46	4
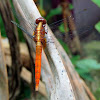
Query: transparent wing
30	20
23	21
29	34
54	26
30	28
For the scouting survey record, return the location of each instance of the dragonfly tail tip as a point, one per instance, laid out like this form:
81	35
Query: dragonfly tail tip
36	88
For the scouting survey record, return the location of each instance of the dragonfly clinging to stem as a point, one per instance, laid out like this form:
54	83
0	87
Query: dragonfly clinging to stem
39	38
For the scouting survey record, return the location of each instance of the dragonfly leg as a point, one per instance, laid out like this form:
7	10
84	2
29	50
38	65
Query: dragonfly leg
35	24
44	41
46	31
33	34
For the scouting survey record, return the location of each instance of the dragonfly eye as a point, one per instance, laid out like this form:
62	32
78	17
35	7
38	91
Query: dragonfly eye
40	19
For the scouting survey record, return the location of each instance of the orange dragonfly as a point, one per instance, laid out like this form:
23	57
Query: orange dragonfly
39	38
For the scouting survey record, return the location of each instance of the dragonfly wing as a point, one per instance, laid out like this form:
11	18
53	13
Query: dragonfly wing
30	20
29	34
24	22
56	25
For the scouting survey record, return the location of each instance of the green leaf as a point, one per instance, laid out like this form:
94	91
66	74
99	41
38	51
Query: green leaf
87	76
61	28
41	4
87	65
57	11
97	2
74	59
97	26
54	12
2	28
71	6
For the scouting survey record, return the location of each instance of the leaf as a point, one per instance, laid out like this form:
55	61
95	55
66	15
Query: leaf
87	65
54	12
2	28
87	76
74	59
71	6
97	26
62	29
97	2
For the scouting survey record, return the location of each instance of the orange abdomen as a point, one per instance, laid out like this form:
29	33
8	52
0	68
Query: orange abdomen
38	64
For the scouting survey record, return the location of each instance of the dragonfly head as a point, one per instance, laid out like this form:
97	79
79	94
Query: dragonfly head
40	19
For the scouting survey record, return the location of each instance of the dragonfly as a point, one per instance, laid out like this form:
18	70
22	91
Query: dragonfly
39	30
38	36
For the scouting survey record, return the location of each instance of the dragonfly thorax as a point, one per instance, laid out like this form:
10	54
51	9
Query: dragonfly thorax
39	34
